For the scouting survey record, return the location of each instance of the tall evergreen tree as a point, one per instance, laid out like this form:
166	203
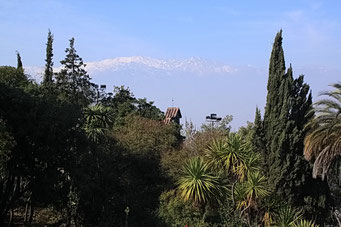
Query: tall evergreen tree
286	113
19	62
20	70
48	74
257	138
73	82
276	111
276	73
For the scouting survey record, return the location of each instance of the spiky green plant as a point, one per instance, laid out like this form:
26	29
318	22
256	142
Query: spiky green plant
229	154
323	141
240	196
255	186
248	193
214	151
198	183
251	164
287	217
305	223
98	120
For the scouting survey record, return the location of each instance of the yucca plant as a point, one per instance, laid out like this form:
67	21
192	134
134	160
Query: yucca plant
240	196
199	184
251	164
305	223
229	154
287	217
98	120
249	192
213	153
255	187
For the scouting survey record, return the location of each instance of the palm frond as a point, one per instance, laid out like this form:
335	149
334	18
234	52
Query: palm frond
305	223
231	154
287	216
198	183
98	120
322	142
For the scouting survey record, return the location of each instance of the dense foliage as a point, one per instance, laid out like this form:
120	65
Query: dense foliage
72	154
287	110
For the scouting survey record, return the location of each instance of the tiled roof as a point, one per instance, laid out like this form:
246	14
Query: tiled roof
171	113
167	120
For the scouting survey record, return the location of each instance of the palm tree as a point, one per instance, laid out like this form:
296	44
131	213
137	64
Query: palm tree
255	188
229	154
251	164
98	120
232	155
199	184
323	141
249	193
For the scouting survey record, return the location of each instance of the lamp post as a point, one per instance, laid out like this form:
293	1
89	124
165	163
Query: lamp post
213	119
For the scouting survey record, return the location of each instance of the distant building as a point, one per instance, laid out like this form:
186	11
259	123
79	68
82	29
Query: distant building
173	114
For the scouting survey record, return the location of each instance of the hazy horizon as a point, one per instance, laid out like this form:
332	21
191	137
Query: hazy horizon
230	42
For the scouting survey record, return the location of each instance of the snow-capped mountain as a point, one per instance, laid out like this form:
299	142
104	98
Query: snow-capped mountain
195	65
148	65
198	86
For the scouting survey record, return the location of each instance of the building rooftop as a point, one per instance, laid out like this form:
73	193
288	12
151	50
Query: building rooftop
172	113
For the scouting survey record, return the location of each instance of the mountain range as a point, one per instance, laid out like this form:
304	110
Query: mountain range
148	65
198	86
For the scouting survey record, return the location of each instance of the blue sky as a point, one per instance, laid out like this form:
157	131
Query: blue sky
238	33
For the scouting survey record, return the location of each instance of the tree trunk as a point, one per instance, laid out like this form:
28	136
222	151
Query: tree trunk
10	222
336	213
31	214
26	211
233	186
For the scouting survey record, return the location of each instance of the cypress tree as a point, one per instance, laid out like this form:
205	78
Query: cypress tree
20	70
258	139
19	62
276	111
48	74
73	82
276	73
20	67
286	113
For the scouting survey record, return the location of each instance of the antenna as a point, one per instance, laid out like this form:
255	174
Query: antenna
172	102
